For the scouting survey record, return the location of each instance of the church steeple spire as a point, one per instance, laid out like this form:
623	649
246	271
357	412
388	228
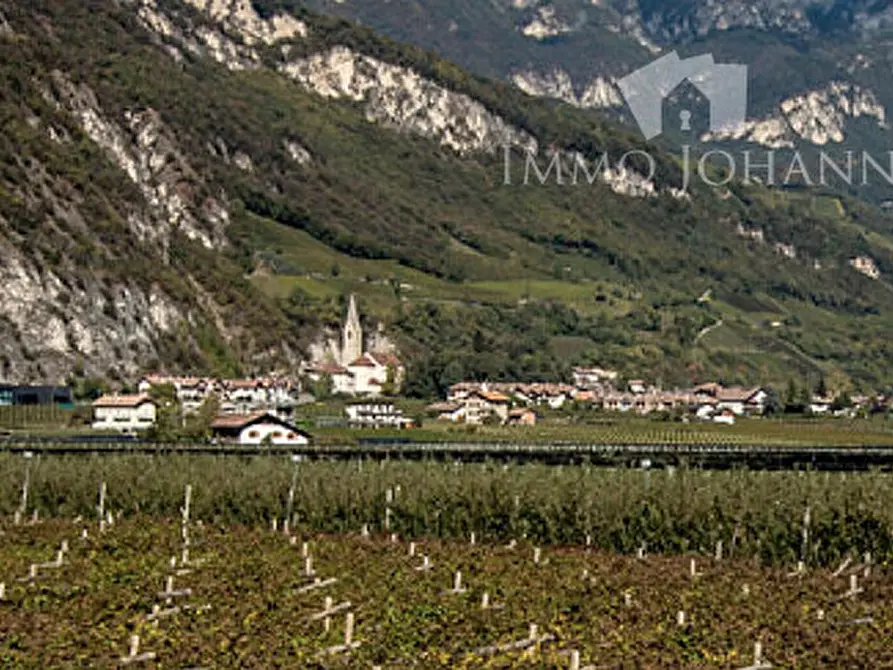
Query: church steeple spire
352	334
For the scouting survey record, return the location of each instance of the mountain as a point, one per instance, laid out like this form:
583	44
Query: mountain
818	70
194	185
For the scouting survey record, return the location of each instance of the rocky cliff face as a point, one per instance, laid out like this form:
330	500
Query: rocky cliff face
147	152
671	23
98	212
819	117
599	93
52	326
393	96
401	99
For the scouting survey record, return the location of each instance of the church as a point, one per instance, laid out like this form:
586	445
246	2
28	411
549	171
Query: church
354	370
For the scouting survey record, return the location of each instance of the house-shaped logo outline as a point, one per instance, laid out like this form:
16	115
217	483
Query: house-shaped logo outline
724	86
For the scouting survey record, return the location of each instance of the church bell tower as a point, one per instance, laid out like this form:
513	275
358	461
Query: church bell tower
351	335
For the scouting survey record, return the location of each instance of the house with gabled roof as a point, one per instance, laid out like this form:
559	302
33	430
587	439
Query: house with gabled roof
741	401
257	428
474	408
124	413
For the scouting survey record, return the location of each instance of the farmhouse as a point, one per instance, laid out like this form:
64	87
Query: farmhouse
637	386
741	401
820	404
257	428
726	416
473	408
485	404
124	413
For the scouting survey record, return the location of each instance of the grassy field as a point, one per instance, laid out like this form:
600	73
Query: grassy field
242	602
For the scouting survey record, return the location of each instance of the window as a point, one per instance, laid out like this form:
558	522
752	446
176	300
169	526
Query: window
277	434
291	436
253	433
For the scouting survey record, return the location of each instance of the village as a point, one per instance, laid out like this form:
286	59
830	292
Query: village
367	385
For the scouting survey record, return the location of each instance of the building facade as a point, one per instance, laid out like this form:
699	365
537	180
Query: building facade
257	429
124	413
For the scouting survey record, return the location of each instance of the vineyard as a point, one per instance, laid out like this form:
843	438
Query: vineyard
260	562
629	430
672	511
186	594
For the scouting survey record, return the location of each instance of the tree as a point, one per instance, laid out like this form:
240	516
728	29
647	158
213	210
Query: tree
821	388
773	404
198	425
796	400
89	388
841	402
322	388
168	419
389	388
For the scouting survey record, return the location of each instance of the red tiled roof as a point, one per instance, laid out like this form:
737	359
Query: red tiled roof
243	383
386	358
329	368
364	361
736	394
493	396
121	400
240	420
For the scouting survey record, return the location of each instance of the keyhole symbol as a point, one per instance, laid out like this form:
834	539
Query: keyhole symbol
685	117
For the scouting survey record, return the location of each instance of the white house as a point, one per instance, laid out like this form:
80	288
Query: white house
726	416
124	413
637	386
367	375
256	429
376	415
474	408
235	395
820	405
742	401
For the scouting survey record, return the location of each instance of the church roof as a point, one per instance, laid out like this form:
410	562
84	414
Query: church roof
364	361
386	359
